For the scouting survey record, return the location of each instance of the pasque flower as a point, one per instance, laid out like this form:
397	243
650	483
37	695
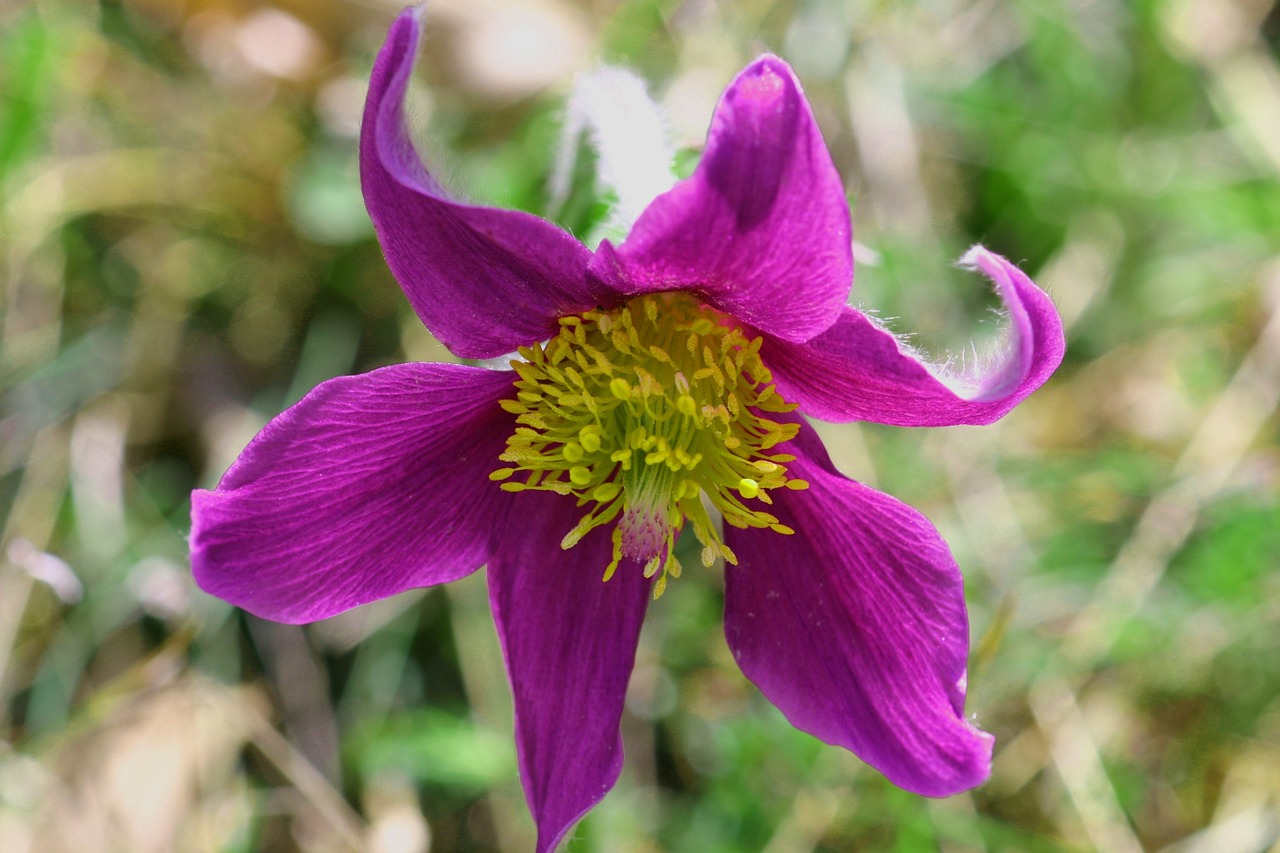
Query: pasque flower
656	379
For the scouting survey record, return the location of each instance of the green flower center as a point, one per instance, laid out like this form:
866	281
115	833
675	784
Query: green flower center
638	413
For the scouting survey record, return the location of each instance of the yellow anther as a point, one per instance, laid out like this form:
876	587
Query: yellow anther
616	539
574	536
651	567
605	492
648	415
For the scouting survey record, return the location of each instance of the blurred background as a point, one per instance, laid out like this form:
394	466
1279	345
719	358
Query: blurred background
185	253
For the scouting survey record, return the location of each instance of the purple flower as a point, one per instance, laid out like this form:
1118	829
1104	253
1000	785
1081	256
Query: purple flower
655	378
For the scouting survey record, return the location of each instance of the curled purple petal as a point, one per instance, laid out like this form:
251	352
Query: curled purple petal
369	486
855	627
761	230
858	371
570	644
483	280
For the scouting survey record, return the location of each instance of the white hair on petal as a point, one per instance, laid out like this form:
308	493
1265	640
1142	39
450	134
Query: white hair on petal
629	135
969	372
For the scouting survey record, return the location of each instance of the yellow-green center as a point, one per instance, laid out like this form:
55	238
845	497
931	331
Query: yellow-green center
640	411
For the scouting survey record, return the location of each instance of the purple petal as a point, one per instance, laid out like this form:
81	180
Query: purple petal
858	371
761	230
369	486
855	627
570	644
484	281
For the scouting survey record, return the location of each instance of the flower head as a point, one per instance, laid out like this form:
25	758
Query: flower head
656	380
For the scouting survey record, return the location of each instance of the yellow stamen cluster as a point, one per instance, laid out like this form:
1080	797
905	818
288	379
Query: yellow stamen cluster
640	411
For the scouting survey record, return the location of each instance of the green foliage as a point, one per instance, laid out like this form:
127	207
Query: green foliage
1232	560
185	253
436	748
